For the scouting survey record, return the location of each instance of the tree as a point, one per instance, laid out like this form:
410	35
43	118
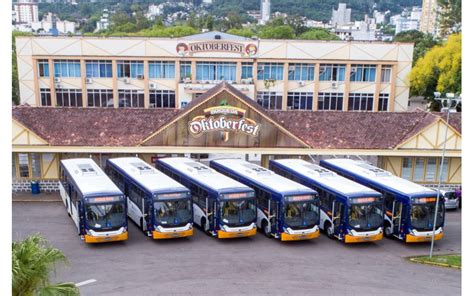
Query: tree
245	32
449	16
423	42
439	70
32	262
318	34
278	32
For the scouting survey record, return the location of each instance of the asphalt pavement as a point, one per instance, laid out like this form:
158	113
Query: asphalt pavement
202	265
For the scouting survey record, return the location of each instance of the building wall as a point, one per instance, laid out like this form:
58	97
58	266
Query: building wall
429	17
396	55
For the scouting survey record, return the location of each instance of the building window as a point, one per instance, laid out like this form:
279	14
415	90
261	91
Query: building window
268	71
383	102
99	69
332	72
184	70
216	71
161	69
247	70
386	74
444	171
131	98
23	165
361	102
328	101
419	171
430	170
45	95
130	69
407	166
13	167
162	99
43	68
300	101
67	68
100	98
69	97
35	165
270	100
363	73
304	72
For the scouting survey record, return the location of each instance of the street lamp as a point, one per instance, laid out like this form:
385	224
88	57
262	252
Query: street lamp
448	104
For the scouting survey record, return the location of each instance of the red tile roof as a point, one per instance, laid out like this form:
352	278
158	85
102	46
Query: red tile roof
320	130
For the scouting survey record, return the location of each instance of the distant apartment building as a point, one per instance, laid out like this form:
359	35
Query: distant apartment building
103	23
52	24
26	11
265	11
429	17
154	11
341	16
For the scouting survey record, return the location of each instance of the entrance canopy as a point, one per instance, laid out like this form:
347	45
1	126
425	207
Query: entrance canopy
225	120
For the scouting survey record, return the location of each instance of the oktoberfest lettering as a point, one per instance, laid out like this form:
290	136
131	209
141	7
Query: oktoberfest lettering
201	124
202	46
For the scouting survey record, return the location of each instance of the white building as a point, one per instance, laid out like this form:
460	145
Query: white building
26	11
405	24
265	8
103	23
379	16
51	21
154	11
429	17
341	16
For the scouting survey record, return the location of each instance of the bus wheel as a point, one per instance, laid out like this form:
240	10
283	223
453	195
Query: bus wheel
328	230
265	229
203	223
386	230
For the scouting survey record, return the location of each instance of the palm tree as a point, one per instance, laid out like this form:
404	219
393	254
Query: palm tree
32	261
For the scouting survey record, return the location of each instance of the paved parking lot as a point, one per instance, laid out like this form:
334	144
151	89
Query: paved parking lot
201	265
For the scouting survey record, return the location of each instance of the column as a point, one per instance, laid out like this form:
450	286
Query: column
83	83
115	83
238	73
378	77
316	87
52	83
176	79
393	83
146	82
285	86
347	84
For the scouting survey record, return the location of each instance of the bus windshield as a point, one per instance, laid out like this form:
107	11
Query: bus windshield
365	216
238	212
301	211
173	212
103	217
422	213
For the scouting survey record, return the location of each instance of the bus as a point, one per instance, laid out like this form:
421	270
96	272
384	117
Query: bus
350	212
409	207
159	205
92	200
223	207
286	210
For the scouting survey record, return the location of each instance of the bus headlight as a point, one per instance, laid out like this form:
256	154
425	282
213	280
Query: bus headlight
411	232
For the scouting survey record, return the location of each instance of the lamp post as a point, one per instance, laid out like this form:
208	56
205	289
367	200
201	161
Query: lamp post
448	104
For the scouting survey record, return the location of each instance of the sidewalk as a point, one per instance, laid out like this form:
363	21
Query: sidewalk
42	197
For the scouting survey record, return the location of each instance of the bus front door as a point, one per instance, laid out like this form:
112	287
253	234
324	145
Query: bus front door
274	212
397	217
337	210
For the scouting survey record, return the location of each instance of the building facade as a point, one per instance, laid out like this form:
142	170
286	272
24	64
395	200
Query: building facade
26	11
341	16
141	72
225	121
429	17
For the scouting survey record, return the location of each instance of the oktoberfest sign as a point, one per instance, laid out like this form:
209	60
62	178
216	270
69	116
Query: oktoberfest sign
223	118
216	46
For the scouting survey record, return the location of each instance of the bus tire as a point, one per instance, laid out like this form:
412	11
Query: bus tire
386	230
328	230
265	228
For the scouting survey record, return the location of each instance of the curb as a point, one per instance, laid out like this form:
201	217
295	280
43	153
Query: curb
415	260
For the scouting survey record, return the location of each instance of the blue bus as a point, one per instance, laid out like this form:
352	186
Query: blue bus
350	212
286	210
223	207
409	207
97	207
160	206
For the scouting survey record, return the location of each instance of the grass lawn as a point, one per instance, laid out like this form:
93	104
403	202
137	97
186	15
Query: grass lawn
440	260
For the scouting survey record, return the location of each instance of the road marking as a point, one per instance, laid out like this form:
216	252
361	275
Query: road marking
86	282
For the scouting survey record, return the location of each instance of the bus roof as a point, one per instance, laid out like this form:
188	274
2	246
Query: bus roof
378	176
203	174
263	176
89	177
326	177
147	176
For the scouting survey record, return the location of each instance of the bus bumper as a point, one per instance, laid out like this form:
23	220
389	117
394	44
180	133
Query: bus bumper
244	233
304	236
105	239
420	239
350	239
168	235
